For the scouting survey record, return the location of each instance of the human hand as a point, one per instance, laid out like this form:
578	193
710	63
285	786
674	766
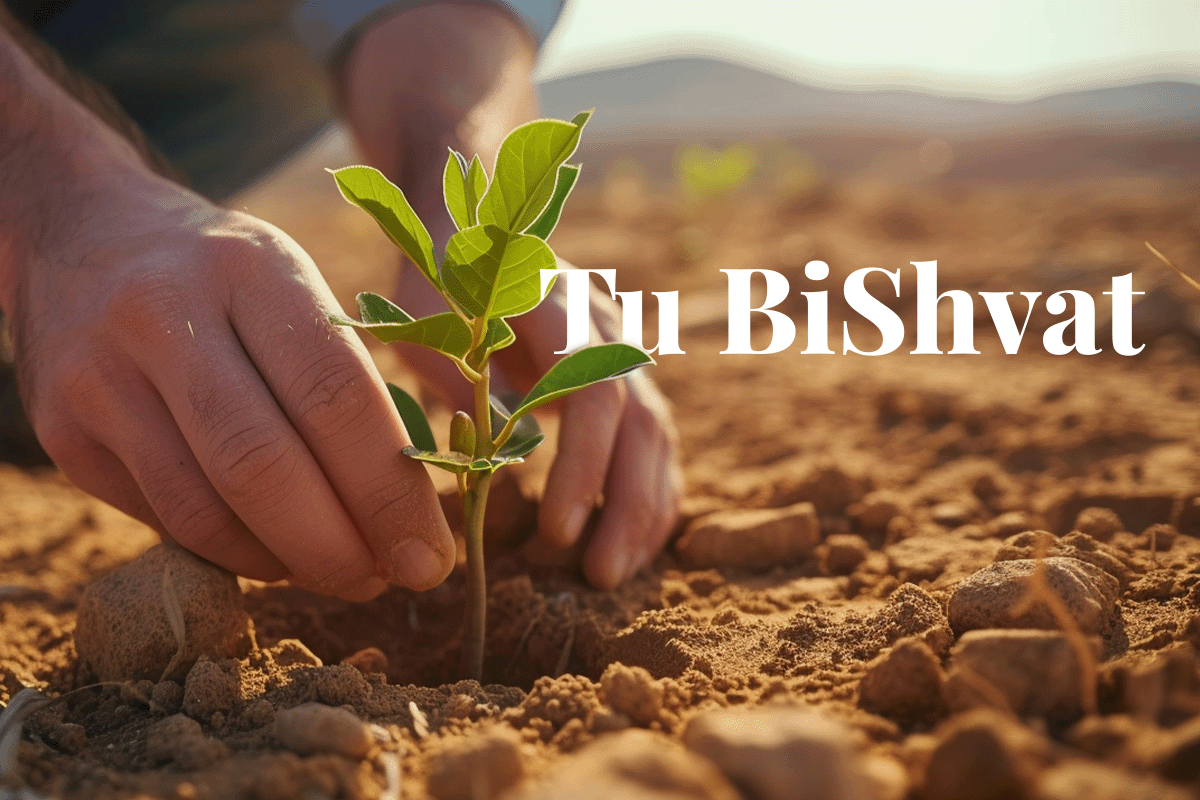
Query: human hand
176	361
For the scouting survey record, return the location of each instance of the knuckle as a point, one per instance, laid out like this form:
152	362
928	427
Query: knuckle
329	396
253	466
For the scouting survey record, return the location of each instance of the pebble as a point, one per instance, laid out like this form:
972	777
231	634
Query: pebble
634	764
633	692
904	683
179	739
876	509
210	688
780	752
982	755
123	632
1080	780
843	552
987	598
368	661
1036	673
1099	523
1178	757
315	728
478	767
751	539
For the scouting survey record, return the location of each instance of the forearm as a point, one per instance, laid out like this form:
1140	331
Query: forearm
61	166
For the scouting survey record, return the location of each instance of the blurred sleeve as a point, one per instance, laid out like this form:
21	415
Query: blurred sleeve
327	27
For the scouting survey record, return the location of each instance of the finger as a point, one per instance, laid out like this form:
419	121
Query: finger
586	438
138	461
641	500
330	392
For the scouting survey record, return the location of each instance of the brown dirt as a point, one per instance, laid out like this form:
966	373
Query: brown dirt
920	470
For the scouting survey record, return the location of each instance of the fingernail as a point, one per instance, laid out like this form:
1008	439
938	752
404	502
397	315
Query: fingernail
573	526
416	565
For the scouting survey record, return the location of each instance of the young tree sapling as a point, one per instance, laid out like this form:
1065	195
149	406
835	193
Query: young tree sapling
490	271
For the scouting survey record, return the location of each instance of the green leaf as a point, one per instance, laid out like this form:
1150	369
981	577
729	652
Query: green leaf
454	189
583	368
367	188
492	273
419	432
374	309
459	462
526	434
567	175
476	185
499	336
527	171
445	333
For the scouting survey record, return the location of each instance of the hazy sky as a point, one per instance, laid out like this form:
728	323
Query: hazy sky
1002	47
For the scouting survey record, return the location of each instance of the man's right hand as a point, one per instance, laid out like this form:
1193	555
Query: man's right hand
176	360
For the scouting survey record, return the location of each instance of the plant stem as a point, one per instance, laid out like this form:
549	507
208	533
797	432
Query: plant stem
474	508
475	636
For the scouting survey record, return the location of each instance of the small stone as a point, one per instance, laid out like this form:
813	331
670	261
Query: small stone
1099	523
843	552
632	691
1107	737
341	685
765	749
982	755
68	737
1078	545
368	661
1011	523
1160	536
875	510
633	765
1036	673
258	714
1081	780
166	697
887	778
292	652
315	728
210	688
988	598
179	739
751	539
952	513
904	683
123	631
478	767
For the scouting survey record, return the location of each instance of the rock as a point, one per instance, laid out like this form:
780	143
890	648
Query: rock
123	631
1035	673
478	767
315	728
166	697
1080	780
369	660
904	683
633	765
1109	736
831	488
875	510
887	778
982	755
179	739
1099	523
953	513
1031	544
210	688
1011	523
843	552
632	691
928	556
988	598
780	752
751	539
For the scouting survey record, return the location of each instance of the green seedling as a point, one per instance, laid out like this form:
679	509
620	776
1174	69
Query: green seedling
490	272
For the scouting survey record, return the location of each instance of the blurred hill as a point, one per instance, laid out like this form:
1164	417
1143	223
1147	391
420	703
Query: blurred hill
676	97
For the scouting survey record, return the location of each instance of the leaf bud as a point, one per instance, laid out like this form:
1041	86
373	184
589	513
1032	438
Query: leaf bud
462	433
